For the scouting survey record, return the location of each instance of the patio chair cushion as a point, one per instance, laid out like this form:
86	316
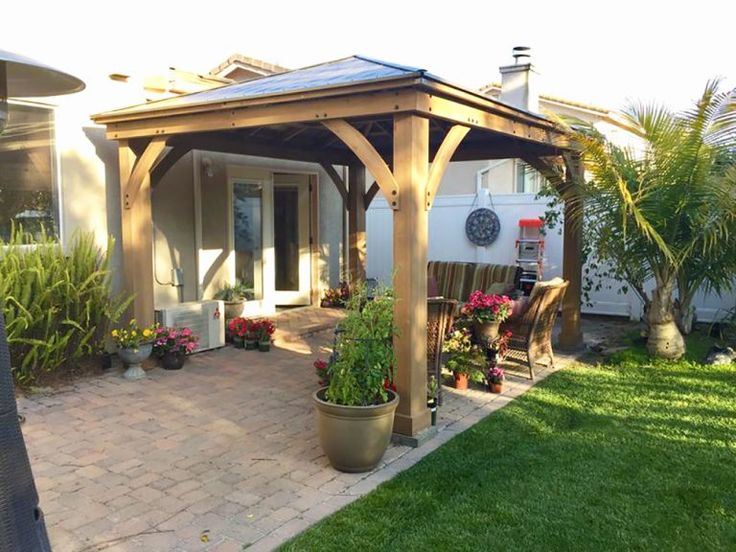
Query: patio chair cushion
457	280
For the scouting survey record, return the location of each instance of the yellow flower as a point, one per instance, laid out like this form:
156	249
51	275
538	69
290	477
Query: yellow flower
133	333
114	333
146	332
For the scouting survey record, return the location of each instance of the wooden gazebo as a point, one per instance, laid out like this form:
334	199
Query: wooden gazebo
402	124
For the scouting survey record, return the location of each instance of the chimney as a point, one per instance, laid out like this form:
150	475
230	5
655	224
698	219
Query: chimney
519	81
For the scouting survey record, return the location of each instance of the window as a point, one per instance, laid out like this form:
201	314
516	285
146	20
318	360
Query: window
28	171
248	237
528	181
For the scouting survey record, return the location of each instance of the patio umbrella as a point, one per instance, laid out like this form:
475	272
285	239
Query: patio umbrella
22	77
21	520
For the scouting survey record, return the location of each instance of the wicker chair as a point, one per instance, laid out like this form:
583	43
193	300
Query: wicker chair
439	321
532	334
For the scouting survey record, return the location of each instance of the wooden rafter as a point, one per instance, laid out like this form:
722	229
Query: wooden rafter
336	179
368	155
444	154
142	167
370	194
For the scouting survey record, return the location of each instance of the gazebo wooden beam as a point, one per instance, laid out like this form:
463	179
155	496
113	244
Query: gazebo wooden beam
445	152
143	164
368	155
411	153
370	194
356	223
259	148
336	180
163	166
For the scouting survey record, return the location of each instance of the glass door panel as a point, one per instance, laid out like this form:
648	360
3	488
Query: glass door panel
248	236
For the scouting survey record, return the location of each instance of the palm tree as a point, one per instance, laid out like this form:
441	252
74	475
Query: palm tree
667	213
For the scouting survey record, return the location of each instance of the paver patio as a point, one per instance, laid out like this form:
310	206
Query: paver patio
218	456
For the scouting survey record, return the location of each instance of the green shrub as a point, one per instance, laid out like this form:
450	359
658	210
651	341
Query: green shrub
57	305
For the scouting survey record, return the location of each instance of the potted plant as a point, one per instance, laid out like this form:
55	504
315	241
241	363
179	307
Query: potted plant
494	378
234	297
134	346
498	348
487	313
238	329
336	297
355	411
263	330
432	394
465	359
172	345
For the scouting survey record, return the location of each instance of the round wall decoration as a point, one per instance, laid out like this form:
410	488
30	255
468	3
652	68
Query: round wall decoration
482	226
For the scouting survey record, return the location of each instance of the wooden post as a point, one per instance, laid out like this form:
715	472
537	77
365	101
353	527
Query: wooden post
356	223
137	233
411	159
571	335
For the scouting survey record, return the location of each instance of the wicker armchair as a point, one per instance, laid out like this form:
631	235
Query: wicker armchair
439	321
532	334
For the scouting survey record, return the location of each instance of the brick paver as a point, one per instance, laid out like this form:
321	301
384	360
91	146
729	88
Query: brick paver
222	455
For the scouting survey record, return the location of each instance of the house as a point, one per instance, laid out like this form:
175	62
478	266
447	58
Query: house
217	216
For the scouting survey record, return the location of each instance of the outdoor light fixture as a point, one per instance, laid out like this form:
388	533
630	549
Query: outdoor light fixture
21	77
22	527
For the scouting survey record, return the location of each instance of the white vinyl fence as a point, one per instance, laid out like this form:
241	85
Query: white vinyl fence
447	242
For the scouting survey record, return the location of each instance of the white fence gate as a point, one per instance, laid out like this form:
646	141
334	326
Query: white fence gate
447	242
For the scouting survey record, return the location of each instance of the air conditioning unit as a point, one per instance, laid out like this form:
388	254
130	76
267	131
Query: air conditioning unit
205	318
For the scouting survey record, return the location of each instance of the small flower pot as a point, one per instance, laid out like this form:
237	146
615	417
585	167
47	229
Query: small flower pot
173	361
461	381
238	342
250	344
432	405
495	387
264	346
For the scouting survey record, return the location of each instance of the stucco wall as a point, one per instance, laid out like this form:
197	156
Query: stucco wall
172	205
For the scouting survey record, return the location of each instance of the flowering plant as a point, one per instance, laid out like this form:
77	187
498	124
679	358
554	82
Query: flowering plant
487	308
337	297
239	326
501	344
494	375
322	368
132	336
262	329
174	340
458	341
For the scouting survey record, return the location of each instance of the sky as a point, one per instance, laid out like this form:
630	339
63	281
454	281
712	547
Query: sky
601	53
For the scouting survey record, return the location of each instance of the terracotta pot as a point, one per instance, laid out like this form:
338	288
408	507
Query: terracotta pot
173	361
354	438
495	387
486	332
461	381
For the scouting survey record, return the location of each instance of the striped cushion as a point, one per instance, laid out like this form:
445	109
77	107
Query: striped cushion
456	280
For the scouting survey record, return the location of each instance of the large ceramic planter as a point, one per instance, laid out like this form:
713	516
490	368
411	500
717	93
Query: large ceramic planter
173	361
233	309
354	438
485	332
132	359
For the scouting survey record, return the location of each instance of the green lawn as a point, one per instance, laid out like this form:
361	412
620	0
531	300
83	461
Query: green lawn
633	455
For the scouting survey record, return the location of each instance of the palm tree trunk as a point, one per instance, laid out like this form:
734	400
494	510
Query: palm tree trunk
665	339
